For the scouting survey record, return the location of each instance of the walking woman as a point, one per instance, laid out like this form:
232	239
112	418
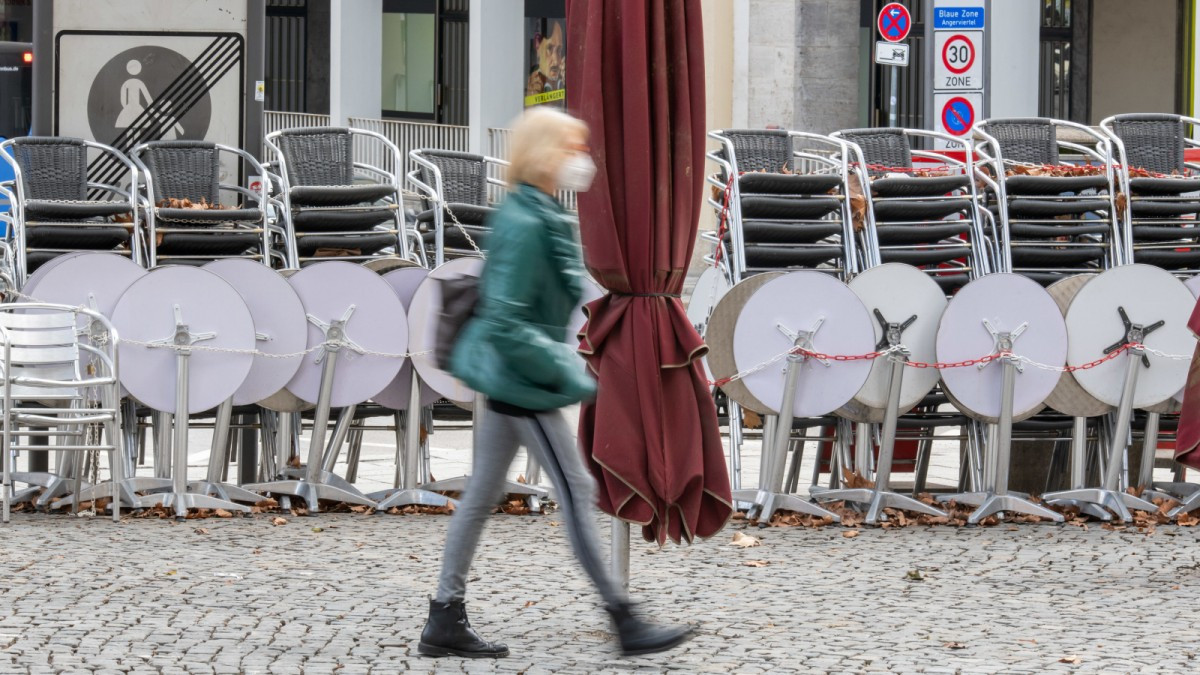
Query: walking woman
515	351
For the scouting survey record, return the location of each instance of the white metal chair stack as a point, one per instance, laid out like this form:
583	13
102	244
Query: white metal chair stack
72	377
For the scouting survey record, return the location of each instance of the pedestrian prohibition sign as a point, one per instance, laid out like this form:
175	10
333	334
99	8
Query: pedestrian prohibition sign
894	22
957	116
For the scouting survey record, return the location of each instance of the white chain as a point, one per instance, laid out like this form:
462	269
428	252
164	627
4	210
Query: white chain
254	352
453	218
1165	355
1063	369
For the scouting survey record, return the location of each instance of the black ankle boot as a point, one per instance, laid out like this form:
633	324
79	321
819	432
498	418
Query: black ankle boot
642	637
448	633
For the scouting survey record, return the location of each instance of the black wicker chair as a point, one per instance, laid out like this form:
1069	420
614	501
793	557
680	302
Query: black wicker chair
929	222
1050	226
454	190
191	170
788	207
57	210
1159	223
334	204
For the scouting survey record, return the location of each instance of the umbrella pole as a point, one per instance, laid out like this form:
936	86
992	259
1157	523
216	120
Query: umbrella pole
620	552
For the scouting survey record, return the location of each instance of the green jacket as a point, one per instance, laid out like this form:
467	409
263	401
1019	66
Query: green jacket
514	349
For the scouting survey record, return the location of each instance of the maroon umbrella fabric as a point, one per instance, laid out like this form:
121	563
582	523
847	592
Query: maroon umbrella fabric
635	74
1187	437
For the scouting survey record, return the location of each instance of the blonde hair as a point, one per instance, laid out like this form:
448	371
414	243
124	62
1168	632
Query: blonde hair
538	137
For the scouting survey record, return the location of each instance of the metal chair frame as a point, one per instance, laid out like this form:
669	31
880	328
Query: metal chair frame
1121	154
983	251
836	162
990	152
44	336
435	193
16	193
261	199
277	170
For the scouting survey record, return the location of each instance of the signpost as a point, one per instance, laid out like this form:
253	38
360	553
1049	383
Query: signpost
894	23
958	59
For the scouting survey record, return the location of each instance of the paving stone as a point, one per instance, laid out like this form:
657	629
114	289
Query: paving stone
353	599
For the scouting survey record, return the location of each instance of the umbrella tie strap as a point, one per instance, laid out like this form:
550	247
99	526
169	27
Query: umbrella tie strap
646	295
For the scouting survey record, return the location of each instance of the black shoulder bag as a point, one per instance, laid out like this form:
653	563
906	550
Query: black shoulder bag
459	297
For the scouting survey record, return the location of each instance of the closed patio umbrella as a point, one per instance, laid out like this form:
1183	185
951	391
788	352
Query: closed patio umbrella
1187	438
635	74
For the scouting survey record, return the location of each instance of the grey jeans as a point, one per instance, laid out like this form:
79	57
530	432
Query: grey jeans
548	438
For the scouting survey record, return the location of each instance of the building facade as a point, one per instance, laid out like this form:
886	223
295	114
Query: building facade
799	64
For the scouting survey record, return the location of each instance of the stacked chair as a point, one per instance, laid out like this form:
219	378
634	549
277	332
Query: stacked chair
332	203
454	189
1160	200
57	210
174	171
930	222
784	203
1050	226
59	383
1160	195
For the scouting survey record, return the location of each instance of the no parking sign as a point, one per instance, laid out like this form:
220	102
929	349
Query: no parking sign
957	113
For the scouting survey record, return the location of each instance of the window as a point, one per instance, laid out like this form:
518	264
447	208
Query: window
409	72
1054	99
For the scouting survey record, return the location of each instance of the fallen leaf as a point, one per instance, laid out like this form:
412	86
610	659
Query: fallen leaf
914	575
318	529
954	645
1073	660
278	521
745	540
853	479
530	603
222	513
201	530
171	573
755	563
850	534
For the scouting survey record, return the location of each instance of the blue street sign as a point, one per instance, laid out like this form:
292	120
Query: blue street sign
894	22
958	18
958	115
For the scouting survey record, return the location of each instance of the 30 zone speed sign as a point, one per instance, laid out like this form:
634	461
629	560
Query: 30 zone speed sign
957	64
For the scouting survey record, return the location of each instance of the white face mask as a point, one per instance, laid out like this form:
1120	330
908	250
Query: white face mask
576	173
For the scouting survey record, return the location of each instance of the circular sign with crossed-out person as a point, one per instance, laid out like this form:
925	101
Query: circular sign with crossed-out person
148	93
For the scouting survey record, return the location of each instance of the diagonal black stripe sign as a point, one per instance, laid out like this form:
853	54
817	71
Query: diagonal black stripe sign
163	113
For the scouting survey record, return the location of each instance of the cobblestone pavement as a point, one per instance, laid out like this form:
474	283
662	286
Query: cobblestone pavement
247	596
